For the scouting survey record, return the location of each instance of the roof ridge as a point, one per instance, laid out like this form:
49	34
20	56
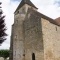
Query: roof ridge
26	2
53	21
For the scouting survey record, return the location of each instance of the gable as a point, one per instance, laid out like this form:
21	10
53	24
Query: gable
25	2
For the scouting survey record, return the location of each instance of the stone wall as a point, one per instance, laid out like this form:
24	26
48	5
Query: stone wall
18	37
18	45
33	38
51	40
32	34
57	44
1	58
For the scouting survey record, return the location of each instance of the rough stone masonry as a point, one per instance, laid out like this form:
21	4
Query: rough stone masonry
34	35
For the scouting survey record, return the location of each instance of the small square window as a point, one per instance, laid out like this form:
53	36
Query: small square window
15	36
56	28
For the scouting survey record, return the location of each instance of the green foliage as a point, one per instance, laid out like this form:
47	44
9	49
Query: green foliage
2	27
4	53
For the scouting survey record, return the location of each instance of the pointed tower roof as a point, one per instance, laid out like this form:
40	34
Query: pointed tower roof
26	2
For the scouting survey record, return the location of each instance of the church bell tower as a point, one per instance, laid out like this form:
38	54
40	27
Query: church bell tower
17	37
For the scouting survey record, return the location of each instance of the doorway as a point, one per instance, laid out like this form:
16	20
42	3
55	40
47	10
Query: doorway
33	56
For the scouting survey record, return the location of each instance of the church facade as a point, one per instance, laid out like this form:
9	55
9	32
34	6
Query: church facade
34	35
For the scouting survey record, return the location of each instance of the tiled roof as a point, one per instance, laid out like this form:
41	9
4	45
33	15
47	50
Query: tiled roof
57	20
26	2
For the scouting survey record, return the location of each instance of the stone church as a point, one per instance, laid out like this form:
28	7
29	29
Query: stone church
34	35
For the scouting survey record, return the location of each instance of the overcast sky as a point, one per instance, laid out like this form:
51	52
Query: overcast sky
50	8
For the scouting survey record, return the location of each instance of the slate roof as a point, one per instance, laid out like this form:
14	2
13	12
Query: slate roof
26	2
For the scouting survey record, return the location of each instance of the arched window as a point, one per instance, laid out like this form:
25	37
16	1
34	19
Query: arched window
33	56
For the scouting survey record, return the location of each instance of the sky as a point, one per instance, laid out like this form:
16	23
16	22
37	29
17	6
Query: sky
50	8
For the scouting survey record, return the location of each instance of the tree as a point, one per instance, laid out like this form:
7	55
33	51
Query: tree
2	26
4	54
